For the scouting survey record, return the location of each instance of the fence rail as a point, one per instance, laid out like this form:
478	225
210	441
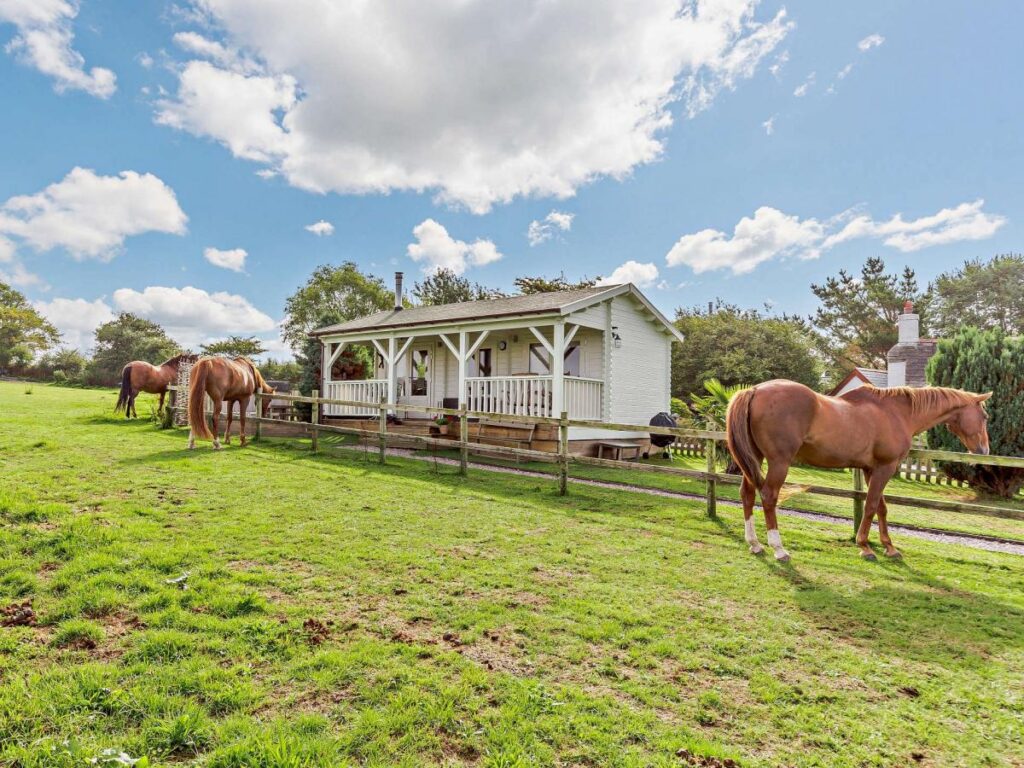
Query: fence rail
689	437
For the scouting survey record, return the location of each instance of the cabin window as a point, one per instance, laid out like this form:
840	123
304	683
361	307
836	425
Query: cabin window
480	363
540	360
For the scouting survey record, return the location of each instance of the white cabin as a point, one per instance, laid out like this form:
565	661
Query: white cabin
599	354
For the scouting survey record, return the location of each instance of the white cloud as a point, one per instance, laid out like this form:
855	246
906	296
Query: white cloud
90	216
871	41
321	228
640	275
238	110
12	271
966	221
769	125
220	54
772	234
233	259
769	234
76	319
805	86
478	102
44	41
437	249
542	230
780	61
145	60
191	315
842	73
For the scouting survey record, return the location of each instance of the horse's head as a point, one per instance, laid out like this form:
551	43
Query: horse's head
970	423
265	401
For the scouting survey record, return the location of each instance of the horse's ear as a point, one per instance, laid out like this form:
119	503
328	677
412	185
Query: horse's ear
982	398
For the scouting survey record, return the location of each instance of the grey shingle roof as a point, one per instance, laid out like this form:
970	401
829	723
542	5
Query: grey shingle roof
533	304
875	377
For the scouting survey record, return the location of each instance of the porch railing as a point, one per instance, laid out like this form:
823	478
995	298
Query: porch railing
584	398
532	396
364	390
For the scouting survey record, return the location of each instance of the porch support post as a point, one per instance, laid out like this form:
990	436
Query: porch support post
558	369
392	374
325	366
463	358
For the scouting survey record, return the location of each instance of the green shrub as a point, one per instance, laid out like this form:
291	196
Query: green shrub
984	361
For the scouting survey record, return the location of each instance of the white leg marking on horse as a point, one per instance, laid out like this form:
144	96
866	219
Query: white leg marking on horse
216	444
191	440
775	542
751	536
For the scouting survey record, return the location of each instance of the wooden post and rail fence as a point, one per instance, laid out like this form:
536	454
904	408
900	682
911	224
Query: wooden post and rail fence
563	458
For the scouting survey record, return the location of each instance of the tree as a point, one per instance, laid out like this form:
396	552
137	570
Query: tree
984	361
982	294
281	370
528	285
64	364
23	331
857	316
737	346
446	287
341	292
235	346
125	338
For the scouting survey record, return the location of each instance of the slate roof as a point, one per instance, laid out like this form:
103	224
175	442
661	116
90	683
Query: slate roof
532	304
875	377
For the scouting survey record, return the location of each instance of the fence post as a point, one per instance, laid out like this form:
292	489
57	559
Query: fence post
710	452
383	428
315	419
259	414
463	440
858	502
563	453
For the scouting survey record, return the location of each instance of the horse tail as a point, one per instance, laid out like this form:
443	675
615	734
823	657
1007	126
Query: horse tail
740	439
197	400
126	389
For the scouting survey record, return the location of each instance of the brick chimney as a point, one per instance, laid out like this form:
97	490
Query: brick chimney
909	325
908	360
398	291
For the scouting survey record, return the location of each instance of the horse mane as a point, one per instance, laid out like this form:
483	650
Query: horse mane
176	359
926	399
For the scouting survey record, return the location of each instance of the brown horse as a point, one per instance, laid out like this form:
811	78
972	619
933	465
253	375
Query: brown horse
234	381
868	429
140	376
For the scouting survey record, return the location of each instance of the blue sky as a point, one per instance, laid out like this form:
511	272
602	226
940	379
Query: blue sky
468	125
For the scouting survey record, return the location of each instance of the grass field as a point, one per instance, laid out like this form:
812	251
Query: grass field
270	608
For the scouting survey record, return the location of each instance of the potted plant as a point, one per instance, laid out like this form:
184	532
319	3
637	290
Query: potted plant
439	426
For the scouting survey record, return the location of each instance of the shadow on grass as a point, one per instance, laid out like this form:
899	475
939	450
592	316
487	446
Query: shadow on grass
937	624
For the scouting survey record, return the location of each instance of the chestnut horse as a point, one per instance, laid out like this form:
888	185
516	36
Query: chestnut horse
140	376
867	428
234	381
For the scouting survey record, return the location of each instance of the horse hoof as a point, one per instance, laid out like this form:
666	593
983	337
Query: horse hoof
758	550
783	558
895	554
870	556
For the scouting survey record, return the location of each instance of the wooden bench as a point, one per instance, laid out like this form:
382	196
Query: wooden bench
616	447
517	435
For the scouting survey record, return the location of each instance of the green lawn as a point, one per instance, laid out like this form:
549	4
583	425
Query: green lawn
336	612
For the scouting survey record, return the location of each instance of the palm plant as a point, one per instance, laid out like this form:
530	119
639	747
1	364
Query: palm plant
711	408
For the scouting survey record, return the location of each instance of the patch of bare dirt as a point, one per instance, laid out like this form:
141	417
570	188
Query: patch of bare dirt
317	632
18	615
705	761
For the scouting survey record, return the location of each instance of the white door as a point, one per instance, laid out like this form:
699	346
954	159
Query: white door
420	377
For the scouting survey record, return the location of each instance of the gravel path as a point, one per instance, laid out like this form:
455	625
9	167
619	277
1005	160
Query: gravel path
988	543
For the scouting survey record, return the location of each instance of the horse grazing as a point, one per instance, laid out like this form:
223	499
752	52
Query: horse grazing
140	376
867	428
232	380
